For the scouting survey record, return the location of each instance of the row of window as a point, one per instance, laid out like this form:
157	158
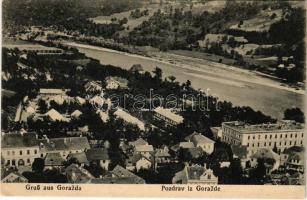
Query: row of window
21	152
271	144
20	162
271	136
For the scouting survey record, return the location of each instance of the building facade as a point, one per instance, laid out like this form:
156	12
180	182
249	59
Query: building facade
281	135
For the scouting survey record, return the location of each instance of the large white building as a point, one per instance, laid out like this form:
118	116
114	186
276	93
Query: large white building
283	134
18	149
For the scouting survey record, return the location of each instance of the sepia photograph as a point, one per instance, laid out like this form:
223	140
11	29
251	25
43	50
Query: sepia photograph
184	97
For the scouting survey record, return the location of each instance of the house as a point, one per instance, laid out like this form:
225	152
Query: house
199	140
120	172
93	86
76	114
98	156
137	162
53	160
195	174
64	146
19	149
270	158
54	115
167	116
129	119
77	174
114	82
79	158
145	150
162	156
195	152
9	176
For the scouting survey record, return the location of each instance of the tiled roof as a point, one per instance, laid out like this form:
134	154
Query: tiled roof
120	113
55	115
144	148
15	140
76	113
200	139
121	172
97	154
139	141
186	145
53	159
80	157
117	180
76	174
162	152
51	91
69	143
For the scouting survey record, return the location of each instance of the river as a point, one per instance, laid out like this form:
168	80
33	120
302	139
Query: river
240	87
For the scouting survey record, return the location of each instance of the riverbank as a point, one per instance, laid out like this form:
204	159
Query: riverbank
234	76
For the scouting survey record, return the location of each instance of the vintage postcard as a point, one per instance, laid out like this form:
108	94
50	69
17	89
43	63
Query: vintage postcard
153	98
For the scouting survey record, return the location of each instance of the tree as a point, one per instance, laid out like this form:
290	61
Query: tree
158	74
294	114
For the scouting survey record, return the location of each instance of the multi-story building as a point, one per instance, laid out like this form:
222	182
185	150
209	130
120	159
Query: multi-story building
166	115
18	149
281	135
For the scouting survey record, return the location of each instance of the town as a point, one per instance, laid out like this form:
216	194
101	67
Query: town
67	128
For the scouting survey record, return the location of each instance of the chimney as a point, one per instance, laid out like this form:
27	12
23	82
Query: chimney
205	166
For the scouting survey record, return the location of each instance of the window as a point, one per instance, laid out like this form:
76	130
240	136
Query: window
270	136
258	136
294	142
248	137
13	153
290	142
286	136
8	162
258	144
8	153
13	162
295	135
266	137
28	152
275	136
290	135
269	143
20	152
265	144
279	143
253	137
301	142
285	142
28	160
42	155
209	176
35	151
253	145
247	144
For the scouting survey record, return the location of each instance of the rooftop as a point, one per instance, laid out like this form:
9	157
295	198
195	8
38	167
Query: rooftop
120	113
80	157
97	154
169	114
69	143
15	140
282	126
144	148
53	159
119	171
52	91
